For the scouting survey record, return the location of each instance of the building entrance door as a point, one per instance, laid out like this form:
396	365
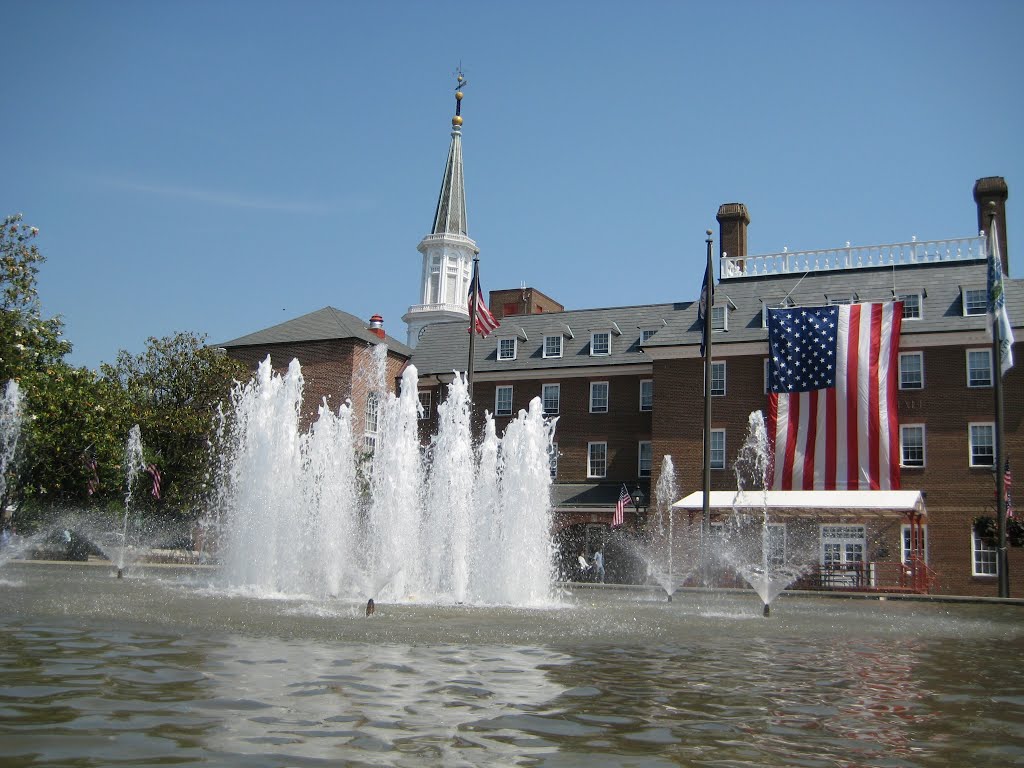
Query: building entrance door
842	556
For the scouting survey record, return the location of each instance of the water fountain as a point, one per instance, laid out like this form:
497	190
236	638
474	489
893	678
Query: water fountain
309	514
195	666
134	463
751	544
10	430
668	557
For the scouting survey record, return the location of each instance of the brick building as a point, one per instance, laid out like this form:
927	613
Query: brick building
336	351
627	386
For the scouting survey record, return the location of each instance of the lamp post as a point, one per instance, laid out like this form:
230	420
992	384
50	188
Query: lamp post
640	507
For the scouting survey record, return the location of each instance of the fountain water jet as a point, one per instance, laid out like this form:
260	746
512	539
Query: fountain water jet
751	547
309	514
133	463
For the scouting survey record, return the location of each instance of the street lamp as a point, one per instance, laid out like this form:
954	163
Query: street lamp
640	506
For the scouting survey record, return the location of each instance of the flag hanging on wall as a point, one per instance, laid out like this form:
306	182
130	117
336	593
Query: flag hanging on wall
997	315
832	416
620	507
484	322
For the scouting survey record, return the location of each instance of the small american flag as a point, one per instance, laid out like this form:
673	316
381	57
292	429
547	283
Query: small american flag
1007	482
620	507
485	322
92	466
155	474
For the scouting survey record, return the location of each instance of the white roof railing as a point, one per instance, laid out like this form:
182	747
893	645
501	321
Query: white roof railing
854	257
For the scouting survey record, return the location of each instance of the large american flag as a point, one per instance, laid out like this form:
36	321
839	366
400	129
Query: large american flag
832	416
620	507
485	322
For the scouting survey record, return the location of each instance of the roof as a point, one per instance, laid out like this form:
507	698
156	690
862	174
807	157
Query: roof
322	325
450	216
815	503
443	346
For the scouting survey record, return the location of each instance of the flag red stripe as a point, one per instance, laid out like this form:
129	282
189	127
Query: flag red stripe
792	424
830	437
874	416
852	393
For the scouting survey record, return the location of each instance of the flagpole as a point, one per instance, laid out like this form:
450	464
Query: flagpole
706	520
475	297
997	372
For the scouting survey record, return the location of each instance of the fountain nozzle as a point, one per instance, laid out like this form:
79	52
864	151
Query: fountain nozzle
767	610
120	573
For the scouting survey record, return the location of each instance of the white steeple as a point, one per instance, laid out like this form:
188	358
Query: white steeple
448	250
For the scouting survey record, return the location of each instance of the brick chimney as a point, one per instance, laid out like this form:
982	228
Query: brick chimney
377	326
993	189
732	227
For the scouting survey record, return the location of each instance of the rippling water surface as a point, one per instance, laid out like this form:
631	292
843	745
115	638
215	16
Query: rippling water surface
164	669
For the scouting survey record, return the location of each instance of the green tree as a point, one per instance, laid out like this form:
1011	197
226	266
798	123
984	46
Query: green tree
175	387
28	342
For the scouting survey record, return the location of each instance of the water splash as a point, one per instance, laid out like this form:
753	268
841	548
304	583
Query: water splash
753	545
379	515
134	464
10	430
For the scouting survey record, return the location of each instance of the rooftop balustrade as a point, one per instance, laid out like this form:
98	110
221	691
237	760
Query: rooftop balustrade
853	257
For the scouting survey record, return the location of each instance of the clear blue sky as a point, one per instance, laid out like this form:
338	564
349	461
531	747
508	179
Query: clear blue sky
220	167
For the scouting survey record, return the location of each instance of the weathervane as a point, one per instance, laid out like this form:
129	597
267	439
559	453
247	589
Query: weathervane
460	83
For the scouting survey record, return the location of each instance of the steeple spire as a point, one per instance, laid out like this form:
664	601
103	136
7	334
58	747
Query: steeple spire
450	216
448	250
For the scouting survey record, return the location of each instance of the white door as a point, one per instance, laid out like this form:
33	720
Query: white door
842	555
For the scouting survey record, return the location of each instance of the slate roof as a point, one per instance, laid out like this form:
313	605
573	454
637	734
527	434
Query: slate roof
322	325
443	347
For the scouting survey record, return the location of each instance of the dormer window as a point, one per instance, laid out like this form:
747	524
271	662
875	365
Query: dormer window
646	334
507	349
975	300
553	346
600	343
911	305
720	318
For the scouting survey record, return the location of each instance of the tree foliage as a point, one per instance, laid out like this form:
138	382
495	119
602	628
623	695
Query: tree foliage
28	342
175	387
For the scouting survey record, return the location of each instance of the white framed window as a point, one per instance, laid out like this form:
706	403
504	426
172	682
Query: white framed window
911	445
906	543
599	397
551	394
370	417
719	318
979	367
773	541
911	370
646	334
597	459
424	397
645	458
982	442
718	449
646	394
507	348
974	300
911	305
718	378
553	346
984	557
503	400
553	460
836	300
600	343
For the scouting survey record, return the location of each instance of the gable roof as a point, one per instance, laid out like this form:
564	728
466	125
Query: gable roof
322	325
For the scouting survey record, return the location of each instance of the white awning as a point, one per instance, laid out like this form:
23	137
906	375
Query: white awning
812	503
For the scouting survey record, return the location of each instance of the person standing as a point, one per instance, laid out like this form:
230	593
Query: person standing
599	565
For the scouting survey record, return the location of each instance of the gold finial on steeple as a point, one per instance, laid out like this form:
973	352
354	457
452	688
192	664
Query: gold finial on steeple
460	83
